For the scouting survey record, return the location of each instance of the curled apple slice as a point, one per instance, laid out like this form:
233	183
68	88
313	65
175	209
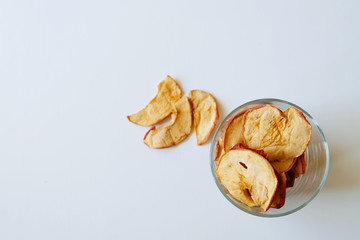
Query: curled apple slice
248	177
174	133
218	151
281	135
159	107
206	114
234	132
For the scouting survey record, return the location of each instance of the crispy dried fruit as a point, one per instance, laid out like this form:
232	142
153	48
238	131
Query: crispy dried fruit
174	133
248	176
280	194
159	107
283	166
233	133
241	146
281	135
205	114
233	130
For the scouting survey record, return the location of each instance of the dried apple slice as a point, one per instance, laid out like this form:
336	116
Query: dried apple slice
159	107
248	176
297	132
241	146
280	194
233	133
174	133
283	166
206	114
281	135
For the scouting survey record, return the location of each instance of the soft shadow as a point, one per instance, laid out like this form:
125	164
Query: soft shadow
343	172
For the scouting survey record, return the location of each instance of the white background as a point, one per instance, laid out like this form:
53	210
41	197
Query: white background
73	167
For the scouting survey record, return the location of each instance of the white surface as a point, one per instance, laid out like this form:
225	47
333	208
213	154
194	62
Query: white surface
73	167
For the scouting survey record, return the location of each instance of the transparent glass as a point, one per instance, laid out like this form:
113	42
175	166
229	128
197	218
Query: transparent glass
307	186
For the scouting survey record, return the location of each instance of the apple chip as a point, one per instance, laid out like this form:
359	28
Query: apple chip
241	146
281	135
159	107
280	194
205	114
248	177
174	133
233	133
283	166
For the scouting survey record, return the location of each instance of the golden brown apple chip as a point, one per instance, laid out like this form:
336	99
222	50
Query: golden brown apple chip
233	130
248	176
174	133
282	136
233	133
283	166
280	194
206	114
159	107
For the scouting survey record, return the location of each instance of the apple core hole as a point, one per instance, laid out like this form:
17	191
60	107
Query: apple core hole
243	164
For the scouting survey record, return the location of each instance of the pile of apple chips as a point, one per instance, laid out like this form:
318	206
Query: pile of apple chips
260	153
200	109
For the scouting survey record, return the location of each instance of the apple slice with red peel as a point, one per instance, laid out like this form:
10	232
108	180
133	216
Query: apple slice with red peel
248	176
282	135
159	107
241	146
233	132
174	133
280	194
205	113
